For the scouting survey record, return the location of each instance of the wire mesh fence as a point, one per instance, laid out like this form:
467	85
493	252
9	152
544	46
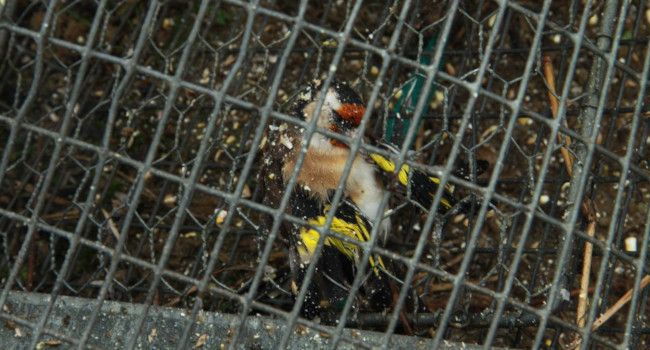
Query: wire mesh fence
129	179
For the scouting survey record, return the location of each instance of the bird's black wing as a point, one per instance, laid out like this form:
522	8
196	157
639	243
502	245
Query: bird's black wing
336	267
420	186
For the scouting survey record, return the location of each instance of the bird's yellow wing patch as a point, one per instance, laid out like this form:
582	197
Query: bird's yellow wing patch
357	231
407	174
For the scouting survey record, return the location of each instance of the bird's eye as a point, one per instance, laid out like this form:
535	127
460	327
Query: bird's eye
341	123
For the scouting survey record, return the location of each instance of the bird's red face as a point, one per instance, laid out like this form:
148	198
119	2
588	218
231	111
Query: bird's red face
346	119
351	113
341	111
348	109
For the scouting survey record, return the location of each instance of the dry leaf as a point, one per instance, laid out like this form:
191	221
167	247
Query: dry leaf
203	339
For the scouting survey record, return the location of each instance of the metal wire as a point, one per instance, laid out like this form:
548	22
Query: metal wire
130	133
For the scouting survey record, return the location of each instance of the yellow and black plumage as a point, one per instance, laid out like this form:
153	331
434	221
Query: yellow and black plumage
421	186
336	268
319	176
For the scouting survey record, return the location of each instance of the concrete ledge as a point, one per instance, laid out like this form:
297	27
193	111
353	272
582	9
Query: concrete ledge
164	326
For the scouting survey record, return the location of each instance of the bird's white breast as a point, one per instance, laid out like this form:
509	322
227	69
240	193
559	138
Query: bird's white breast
322	170
364	189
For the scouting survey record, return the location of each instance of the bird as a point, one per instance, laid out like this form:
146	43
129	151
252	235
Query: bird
317	180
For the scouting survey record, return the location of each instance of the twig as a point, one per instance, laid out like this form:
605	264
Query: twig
63	215
584	278
555	106
176	300
587	204
111	225
619	304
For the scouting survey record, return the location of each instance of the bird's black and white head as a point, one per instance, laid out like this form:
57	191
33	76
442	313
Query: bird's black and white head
341	111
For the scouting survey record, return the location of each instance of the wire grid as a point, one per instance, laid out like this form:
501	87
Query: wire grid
129	162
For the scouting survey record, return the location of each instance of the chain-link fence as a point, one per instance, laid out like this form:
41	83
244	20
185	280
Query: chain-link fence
130	211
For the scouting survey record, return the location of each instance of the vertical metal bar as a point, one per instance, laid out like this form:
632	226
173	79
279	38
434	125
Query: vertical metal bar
15	125
608	143
473	87
130	65
597	92
516	260
189	184
354	149
307	135
201	288
268	106
43	34
625	163
6	11
78	86
555	125
578	185
641	272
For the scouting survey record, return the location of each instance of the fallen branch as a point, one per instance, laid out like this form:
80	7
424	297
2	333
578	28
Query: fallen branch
619	304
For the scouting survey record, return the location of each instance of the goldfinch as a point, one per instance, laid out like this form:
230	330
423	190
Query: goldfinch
318	177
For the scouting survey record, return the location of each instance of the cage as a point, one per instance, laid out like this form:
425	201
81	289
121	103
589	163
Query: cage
131	212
